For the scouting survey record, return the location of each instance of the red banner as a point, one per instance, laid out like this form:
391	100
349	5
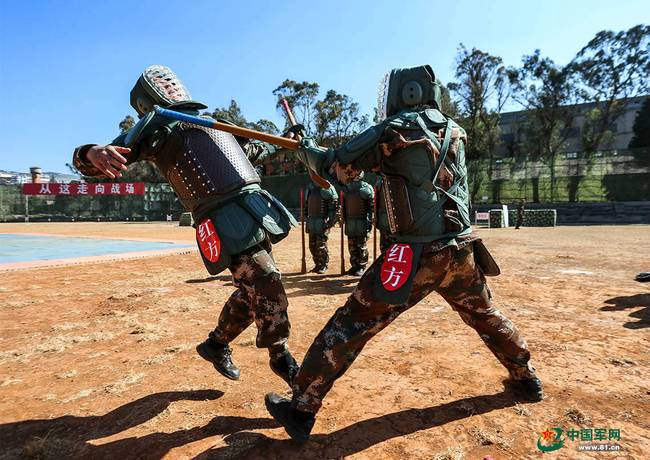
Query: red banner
106	188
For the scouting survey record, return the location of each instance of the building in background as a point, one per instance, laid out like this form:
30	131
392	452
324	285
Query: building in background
17	178
514	126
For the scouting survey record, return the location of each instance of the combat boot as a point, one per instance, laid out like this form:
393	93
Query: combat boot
355	270
285	367
297	424
531	388
220	355
320	269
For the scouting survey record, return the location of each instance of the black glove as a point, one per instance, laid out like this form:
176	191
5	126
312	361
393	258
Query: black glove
297	130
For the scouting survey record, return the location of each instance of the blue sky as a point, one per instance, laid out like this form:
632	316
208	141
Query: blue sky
66	67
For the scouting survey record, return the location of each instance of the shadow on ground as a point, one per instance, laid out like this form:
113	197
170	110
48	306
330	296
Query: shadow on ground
640	301
308	283
361	435
68	436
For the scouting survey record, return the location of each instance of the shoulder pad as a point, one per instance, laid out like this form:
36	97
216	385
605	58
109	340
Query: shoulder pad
147	126
359	144
403	120
191	107
133	135
328	194
435	116
408	120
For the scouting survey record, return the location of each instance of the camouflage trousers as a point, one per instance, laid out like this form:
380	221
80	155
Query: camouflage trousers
450	272
358	247
318	249
520	219
259	298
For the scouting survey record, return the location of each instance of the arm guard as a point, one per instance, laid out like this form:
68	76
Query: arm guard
362	151
313	157
367	194
332	206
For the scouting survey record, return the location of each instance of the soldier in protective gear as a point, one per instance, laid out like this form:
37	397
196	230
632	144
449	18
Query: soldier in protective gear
520	213
212	173
322	209
420	154
357	213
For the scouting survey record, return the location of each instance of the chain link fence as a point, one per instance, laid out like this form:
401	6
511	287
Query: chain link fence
622	175
614	175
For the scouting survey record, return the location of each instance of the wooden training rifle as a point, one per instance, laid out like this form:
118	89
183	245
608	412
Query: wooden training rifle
290	144
318	180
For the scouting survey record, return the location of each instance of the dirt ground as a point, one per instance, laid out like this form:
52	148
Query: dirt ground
98	361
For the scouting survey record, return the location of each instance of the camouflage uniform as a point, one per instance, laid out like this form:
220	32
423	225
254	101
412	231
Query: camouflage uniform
358	247
358	213
520	215
213	175
318	249
451	272
424	206
321	211
259	298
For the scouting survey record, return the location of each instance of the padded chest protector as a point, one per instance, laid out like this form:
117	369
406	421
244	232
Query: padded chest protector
321	205
358	208
424	178
201	162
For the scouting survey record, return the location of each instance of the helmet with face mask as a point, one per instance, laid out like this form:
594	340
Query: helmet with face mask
158	85
404	88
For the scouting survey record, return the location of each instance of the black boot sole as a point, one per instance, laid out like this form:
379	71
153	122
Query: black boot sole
281	415
202	354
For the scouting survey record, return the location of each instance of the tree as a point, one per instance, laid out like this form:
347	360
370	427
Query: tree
331	120
233	114
448	106
302	100
126	124
640	142
547	91
611	70
264	125
337	119
481	89
641	127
